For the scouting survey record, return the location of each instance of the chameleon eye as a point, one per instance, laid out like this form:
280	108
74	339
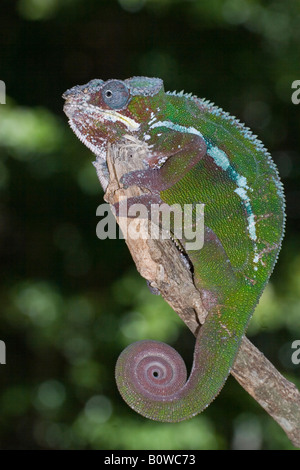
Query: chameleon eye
115	94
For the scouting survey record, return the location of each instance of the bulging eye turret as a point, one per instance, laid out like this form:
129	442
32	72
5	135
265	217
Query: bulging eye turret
115	94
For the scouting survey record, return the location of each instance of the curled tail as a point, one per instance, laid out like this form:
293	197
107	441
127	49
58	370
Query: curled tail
151	376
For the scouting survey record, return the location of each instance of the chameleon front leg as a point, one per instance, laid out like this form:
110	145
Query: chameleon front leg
169	159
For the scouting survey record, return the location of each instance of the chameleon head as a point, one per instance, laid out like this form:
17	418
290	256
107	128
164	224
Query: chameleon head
104	111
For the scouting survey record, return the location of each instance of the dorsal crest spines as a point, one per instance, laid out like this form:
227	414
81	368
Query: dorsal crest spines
217	111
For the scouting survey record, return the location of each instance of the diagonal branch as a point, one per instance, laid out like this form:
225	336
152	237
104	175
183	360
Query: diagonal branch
160	262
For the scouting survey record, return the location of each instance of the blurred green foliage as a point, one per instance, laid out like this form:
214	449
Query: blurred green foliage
70	302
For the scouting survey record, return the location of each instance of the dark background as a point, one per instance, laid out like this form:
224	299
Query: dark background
69	303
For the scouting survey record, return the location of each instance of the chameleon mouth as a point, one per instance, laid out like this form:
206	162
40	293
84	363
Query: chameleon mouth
99	114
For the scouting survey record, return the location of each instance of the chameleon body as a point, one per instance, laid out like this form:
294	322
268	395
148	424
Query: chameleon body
196	153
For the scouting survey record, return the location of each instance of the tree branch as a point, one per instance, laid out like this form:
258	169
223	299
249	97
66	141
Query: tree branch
160	262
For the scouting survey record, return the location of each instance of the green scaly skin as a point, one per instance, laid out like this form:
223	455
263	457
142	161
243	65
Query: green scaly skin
197	153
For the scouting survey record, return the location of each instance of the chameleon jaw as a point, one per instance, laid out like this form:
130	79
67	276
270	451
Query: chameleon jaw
101	115
96	114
